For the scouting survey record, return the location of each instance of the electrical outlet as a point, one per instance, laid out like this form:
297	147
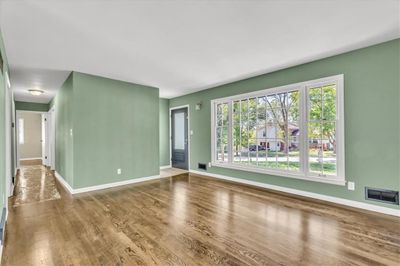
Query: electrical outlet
119	171
209	165
351	185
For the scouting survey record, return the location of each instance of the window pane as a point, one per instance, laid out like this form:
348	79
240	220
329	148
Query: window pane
252	151
272	101
252	111
225	114
329	146
294	155
244	155
261	156
179	131
271	117
293	106
329	103
225	144
315	111
219	115
236	131
280	130
315	147
244	133
219	150
315	154
261	110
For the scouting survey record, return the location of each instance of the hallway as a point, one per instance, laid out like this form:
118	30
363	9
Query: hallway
34	184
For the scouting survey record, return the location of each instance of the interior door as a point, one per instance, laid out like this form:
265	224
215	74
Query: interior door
179	138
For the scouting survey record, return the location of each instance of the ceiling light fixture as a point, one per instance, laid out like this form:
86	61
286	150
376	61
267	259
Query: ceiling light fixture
36	92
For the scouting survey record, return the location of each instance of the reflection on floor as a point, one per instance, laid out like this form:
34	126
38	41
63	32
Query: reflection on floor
34	184
172	172
193	220
30	162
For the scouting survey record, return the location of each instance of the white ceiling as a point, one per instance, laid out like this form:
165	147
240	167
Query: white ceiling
181	46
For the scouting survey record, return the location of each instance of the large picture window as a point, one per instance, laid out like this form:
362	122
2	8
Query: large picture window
294	130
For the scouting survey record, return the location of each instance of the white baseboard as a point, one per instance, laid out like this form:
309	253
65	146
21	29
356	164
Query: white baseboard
165	167
28	159
103	186
64	182
351	203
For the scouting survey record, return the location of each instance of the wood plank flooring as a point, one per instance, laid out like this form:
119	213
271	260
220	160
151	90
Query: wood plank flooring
192	220
33	185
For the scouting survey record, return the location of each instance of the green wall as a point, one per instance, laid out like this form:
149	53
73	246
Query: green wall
371	77
26	106
115	125
3	154
64	140
164	132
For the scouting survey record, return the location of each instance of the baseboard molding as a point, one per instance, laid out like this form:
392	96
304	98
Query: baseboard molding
346	202
165	167
63	182
104	186
29	159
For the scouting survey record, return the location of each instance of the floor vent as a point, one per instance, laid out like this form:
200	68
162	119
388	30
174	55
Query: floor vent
382	195
202	166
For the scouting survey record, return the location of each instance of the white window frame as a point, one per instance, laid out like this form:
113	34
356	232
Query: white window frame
304	173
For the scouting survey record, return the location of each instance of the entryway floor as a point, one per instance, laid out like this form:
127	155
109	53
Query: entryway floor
172	172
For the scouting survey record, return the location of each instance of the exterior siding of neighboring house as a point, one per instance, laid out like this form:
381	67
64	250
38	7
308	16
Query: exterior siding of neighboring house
267	138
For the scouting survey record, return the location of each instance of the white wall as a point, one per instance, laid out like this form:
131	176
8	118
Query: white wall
32	146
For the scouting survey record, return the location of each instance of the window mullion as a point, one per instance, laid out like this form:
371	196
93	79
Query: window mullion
230	132
304	130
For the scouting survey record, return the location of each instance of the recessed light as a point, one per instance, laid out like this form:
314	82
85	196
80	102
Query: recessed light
36	92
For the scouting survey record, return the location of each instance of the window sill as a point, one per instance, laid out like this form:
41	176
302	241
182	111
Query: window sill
288	174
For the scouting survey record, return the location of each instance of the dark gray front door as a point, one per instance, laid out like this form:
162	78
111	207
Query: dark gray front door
179	138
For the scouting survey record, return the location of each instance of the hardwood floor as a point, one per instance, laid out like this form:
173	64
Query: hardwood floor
192	220
34	184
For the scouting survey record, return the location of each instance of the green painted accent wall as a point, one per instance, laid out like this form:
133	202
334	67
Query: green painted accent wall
371	79
64	141
114	125
164	132
27	106
3	154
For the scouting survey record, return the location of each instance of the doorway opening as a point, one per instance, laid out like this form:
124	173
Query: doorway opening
179	132
32	138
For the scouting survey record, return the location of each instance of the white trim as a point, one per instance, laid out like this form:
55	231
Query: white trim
304	172
104	186
63	182
165	167
282	173
188	133
27	159
346	202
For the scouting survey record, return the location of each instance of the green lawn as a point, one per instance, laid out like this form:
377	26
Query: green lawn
329	168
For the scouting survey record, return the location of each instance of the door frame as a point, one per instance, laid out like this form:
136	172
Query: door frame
18	112
187	106
52	138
